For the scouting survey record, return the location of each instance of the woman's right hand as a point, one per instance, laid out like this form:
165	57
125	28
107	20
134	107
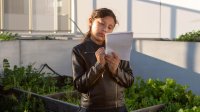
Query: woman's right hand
100	56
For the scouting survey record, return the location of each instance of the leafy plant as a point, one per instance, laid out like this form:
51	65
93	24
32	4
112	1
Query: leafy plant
193	36
141	94
152	92
29	79
8	36
24	103
71	97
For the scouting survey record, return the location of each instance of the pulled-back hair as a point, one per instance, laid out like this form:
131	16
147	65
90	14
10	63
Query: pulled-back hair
100	13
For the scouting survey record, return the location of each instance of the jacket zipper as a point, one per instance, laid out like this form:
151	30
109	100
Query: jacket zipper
116	103
97	78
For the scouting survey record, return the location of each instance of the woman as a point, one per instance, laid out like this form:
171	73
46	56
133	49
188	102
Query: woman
101	78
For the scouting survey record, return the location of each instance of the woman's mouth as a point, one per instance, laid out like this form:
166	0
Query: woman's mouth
101	35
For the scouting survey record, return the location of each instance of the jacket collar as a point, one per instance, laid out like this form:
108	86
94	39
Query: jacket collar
93	43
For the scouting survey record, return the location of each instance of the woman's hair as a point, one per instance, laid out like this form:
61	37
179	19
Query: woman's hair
100	13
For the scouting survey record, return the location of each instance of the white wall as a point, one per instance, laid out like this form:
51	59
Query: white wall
84	12
168	59
179	16
9	51
146	18
55	53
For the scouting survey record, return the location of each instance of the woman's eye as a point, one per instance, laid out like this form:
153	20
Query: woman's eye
110	28
101	23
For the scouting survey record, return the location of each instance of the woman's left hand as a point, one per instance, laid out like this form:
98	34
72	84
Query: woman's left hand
113	62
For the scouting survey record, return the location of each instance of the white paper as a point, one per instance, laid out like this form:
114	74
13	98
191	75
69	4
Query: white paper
120	43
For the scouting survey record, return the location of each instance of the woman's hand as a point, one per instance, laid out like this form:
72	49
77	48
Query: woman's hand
100	56
113	62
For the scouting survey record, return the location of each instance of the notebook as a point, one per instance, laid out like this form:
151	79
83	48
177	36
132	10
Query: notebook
120	43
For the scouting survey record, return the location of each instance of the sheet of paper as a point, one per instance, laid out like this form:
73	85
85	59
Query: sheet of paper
120	43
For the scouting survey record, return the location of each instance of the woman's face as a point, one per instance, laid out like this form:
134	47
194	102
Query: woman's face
101	26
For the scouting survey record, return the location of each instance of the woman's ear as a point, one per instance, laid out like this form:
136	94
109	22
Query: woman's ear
90	21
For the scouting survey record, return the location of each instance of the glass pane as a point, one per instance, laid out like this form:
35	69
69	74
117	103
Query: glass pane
64	9
16	15
43	15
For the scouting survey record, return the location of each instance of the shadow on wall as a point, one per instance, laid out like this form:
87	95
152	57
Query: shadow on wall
150	67
173	12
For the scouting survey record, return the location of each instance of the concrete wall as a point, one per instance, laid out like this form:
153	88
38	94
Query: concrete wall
163	59
55	53
146	18
9	50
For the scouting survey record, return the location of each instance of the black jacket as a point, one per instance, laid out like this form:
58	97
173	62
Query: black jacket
98	87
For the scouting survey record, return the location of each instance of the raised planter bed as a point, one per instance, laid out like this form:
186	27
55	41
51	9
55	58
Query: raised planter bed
51	104
65	95
72	97
55	103
76	95
155	108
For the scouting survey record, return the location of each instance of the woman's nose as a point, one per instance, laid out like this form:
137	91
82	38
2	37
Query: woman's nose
105	28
